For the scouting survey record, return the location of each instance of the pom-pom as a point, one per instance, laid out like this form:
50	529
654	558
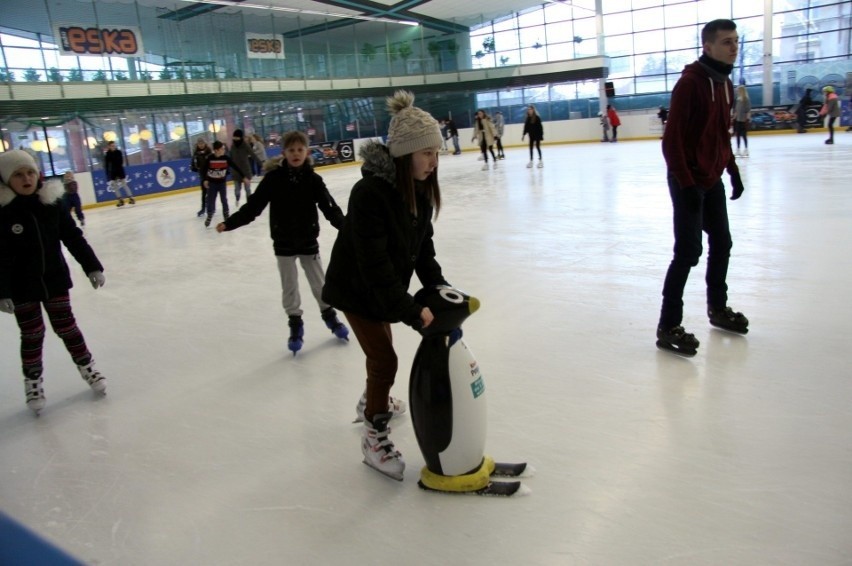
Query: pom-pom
400	100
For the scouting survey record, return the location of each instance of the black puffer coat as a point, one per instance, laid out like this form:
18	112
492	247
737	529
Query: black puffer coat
380	247
32	231
293	196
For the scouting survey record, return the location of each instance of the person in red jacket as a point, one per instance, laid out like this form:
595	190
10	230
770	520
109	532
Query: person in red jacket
697	150
614	121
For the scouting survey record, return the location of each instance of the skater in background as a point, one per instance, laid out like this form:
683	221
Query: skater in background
830	108
386	239
742	117
604	120
258	152
802	111
34	225
241	155
663	115
215	175
535	130
443	125
72	196
499	126
484	135
199	159
614	121
453	133
117	178
697	150
293	191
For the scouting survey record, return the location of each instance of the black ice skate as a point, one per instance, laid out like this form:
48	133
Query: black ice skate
329	316
728	319
297	332
677	340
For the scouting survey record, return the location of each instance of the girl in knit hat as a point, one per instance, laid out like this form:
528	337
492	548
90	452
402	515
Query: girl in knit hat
387	237
33	273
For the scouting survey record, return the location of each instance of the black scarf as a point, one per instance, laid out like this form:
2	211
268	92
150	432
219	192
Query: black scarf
717	66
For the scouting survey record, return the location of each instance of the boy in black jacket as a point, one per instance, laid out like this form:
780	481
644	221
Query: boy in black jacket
34	224
293	191
214	171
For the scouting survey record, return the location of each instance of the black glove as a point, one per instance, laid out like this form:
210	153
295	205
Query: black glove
737	183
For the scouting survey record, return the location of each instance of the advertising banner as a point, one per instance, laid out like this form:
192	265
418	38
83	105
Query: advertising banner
327	153
87	40
783	117
264	46
149	179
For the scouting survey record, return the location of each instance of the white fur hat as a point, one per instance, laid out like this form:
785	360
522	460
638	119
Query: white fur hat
11	161
411	129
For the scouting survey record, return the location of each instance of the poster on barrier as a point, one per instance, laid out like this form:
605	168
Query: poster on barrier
148	179
328	153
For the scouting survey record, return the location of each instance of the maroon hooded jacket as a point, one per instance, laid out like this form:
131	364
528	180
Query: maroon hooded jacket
696	141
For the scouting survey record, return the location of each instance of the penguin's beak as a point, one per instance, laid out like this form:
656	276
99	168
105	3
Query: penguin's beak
473	305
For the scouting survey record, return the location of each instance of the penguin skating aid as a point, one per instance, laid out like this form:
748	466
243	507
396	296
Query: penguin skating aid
447	403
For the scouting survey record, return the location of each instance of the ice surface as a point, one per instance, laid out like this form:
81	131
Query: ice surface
215	445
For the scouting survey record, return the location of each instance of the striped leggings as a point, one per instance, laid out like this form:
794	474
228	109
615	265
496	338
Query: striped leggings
31	323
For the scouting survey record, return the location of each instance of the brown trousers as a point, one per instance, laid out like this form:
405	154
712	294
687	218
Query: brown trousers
376	340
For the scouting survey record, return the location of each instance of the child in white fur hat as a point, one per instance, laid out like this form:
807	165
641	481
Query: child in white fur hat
33	227
387	237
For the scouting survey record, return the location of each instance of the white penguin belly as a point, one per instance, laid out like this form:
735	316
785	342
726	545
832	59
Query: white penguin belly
467	446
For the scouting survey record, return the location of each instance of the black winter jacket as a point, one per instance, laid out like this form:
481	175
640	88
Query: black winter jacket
533	128
293	196
380	247
32	230
114	164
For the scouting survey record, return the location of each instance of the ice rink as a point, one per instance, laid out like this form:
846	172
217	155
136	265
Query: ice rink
216	446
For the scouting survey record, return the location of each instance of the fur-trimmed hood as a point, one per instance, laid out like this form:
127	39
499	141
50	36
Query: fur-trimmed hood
49	193
377	161
280	161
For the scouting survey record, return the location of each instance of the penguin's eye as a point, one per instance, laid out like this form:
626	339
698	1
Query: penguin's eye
451	296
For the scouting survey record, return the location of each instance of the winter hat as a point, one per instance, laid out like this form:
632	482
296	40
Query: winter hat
828	89
411	129
11	161
237	133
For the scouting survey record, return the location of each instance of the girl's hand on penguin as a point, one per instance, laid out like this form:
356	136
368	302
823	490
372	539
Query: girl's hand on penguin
426	316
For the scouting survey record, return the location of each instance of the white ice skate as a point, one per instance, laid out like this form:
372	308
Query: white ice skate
93	377
379	451
395	407
35	394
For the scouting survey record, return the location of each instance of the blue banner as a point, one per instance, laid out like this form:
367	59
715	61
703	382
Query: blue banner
149	179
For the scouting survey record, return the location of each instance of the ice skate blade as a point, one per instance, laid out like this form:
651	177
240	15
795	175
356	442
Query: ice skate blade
741	332
687	353
512	470
397	477
493	489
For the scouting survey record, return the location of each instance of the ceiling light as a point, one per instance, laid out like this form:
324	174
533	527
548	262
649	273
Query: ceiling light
237	4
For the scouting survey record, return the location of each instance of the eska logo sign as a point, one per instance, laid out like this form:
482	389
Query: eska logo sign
78	40
264	45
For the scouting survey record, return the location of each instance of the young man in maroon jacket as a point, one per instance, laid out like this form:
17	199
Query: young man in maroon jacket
697	150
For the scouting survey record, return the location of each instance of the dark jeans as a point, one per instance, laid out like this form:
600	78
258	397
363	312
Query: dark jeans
537	144
74	204
203	195
214	189
741	130
499	146
695	210
485	148
831	121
